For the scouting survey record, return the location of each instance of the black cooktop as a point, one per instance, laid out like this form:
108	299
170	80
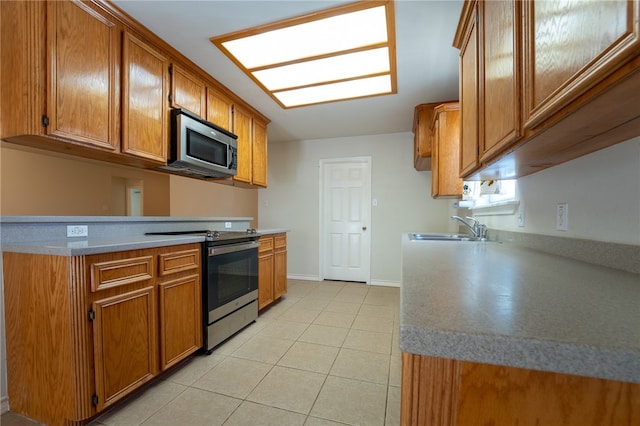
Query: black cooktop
213	236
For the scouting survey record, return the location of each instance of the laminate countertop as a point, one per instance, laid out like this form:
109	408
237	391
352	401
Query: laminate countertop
501	304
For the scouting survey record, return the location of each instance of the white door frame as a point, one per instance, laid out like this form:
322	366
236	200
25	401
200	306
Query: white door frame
321	225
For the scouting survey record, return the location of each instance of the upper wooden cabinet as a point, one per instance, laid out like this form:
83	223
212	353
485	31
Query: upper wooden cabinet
60	73
259	152
553	82
85	79
219	108
188	91
500	103
445	131
83	74
469	90
422	149
145	120
252	147
570	46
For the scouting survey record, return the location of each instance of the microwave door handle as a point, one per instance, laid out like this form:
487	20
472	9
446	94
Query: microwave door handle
229	156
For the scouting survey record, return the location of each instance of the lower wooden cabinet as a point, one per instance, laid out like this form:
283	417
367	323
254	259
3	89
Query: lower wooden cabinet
272	268
84	331
447	392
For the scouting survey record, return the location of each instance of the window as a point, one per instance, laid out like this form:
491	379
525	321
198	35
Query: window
490	197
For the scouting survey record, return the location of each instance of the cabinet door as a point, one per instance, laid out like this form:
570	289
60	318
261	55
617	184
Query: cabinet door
259	153
242	128
83	59
145	123
500	110
265	280
188	91
422	144
219	109
469	98
125	343
180	319
280	266
572	45
446	138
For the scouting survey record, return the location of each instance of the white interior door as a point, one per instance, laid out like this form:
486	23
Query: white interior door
346	195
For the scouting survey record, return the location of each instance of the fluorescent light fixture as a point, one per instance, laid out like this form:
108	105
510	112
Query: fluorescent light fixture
336	54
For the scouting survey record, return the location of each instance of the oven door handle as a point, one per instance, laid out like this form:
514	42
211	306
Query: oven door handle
230	248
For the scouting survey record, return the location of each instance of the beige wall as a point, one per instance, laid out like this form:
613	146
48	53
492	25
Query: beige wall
404	199
195	198
37	183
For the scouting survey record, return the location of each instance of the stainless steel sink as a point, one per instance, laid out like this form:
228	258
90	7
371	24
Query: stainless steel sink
440	237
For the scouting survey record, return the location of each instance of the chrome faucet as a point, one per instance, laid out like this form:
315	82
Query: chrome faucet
478	230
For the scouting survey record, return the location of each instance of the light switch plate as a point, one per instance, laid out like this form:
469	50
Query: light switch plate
562	217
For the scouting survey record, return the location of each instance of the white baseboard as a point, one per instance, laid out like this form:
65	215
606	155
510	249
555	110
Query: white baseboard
303	277
4	404
317	278
386	283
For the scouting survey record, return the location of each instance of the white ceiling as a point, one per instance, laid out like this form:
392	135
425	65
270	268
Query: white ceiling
427	63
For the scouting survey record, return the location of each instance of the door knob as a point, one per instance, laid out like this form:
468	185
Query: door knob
364	228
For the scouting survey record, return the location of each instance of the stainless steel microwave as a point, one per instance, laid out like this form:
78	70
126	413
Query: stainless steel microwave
201	149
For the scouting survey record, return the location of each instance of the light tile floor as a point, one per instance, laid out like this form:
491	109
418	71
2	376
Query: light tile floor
326	354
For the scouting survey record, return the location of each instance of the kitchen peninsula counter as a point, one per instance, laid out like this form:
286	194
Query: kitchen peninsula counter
47	234
502	304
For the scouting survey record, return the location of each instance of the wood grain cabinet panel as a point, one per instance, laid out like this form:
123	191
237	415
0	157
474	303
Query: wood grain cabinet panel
572	45
145	119
447	392
242	127
178	261
114	273
272	268
125	344
259	153
279	265
188	91
469	91
500	77
422	143
445	130
219	109
83	84
180	319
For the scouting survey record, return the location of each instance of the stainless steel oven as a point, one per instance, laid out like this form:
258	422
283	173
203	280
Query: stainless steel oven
229	282
230	287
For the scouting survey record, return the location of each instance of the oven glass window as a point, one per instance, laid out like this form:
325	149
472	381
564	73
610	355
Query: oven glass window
206	149
231	275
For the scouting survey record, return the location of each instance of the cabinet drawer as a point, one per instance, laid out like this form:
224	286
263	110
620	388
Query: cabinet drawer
280	241
172	263
114	273
266	244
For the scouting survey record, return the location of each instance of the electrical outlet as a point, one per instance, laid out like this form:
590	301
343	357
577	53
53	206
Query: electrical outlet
77	231
562	217
227	225
521	215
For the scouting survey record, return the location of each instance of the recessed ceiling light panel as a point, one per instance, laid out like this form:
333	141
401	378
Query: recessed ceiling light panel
312	53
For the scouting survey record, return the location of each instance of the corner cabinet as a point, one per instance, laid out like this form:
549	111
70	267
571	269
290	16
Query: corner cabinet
544	82
272	268
448	392
114	321
422	144
445	134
